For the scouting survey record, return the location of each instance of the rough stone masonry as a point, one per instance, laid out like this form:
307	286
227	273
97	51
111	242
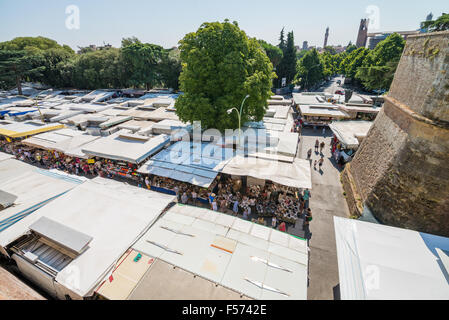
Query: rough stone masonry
401	170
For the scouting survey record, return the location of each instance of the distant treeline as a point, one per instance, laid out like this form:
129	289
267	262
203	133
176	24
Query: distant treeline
135	64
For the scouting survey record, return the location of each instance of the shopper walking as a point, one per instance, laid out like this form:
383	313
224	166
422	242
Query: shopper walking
320	163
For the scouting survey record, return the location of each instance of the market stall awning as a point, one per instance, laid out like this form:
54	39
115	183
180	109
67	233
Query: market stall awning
322	111
48	140
378	262
349	132
27	128
296	174
124	146
112	213
253	260
194	163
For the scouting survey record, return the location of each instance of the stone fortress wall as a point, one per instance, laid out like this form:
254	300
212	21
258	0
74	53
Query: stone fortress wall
401	170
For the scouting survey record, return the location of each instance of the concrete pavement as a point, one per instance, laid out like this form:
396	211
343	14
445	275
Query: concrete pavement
327	200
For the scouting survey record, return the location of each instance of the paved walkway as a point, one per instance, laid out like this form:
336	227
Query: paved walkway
326	202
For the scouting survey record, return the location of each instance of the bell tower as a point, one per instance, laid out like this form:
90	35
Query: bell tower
363	33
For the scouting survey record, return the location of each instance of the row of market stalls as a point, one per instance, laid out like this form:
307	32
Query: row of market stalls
200	163
67	244
99	112
319	108
146	146
168	251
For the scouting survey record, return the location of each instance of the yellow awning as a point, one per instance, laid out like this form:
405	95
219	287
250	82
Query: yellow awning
15	134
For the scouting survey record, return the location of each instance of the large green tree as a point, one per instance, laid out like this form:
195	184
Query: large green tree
378	68
142	60
353	61
287	66
53	60
32	44
274	53
309	70
170	68
220	66
282	43
99	69
18	65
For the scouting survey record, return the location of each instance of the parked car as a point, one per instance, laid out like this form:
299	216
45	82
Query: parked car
341	92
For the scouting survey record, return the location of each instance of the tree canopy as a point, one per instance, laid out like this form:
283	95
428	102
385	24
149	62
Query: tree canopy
309	69
136	64
353	61
18	65
440	24
274	53
378	68
287	66
141	61
220	66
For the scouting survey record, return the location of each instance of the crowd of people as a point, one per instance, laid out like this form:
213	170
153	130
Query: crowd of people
230	196
56	160
258	203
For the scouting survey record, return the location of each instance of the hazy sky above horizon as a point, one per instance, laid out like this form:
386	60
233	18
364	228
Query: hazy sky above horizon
108	21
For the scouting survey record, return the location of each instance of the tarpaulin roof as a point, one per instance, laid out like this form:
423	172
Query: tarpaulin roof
27	128
72	147
5	156
48	140
195	163
33	188
296	174
378	262
119	147
257	261
322	111
347	132
114	214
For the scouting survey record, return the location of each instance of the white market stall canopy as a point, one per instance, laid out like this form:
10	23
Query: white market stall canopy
125	146
295	174
33	188
322	111
378	262
72	147
194	163
5	156
66	141
27	128
349	132
257	261
89	107
113	214
48	140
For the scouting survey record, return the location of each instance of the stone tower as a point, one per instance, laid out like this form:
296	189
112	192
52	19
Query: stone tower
363	33
305	45
401	171
326	37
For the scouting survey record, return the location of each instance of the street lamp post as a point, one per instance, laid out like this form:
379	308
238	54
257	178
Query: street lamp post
239	114
36	104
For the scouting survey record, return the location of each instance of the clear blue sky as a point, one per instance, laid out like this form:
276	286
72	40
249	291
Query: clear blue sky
166	22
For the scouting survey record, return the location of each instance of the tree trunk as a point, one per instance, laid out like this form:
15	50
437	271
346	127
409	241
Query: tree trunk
19	85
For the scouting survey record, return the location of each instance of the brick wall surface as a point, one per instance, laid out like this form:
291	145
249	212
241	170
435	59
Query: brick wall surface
401	170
